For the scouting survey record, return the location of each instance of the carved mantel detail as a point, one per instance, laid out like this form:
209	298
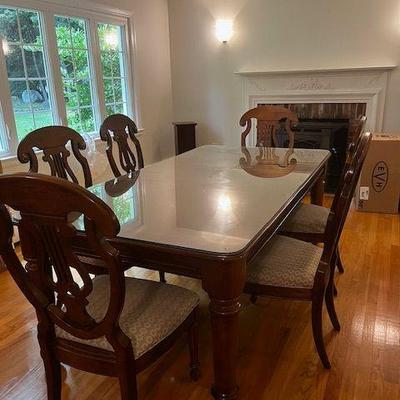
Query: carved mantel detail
258	84
310	84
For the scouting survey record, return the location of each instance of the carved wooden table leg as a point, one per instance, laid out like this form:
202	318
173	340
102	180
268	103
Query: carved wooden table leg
317	192
224	285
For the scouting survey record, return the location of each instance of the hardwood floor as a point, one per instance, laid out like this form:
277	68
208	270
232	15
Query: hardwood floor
277	359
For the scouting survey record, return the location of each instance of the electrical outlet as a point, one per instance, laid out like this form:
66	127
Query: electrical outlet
364	192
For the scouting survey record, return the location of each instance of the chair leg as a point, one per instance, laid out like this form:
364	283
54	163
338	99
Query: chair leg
254	298
335	292
162	277
194	349
316	315
339	263
127	377
330	304
52	369
127	384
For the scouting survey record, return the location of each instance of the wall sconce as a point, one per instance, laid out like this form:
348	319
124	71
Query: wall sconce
224	30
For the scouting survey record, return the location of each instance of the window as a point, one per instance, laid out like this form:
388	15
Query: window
113	66
61	68
26	69
76	73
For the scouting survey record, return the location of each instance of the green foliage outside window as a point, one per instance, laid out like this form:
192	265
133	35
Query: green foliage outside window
24	56
74	65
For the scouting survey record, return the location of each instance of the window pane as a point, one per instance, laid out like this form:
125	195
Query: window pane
87	119
81	64
15	65
8	24
25	61
43	119
66	63
73	119
25	124
110	109
17	88
109	37
113	58
30	27
106	64
70	93
84	93
37	95
63	33
120	108
76	72
34	61
116	63
78	34
118	90
108	90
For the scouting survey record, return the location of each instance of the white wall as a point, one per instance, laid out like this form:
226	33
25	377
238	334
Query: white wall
153	78
273	35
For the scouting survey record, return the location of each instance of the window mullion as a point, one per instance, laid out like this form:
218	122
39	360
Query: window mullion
7	107
129	47
55	78
95	59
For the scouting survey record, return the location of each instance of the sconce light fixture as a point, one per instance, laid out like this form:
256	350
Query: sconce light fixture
224	30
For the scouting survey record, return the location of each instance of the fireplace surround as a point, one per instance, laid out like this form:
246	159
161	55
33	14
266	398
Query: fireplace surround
327	103
363	85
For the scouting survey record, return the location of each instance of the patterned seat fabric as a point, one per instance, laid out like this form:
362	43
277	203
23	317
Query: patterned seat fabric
285	262
151	312
307	218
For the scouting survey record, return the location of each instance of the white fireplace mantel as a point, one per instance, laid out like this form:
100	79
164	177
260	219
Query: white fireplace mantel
339	85
318	70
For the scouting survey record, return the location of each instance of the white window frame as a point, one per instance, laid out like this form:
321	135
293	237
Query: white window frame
93	15
125	50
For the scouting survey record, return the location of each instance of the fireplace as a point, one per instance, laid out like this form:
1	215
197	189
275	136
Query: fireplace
328	134
320	95
328	126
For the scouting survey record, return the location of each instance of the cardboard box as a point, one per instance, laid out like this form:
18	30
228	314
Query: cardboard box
379	185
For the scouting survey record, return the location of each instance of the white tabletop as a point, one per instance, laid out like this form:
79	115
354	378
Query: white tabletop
213	198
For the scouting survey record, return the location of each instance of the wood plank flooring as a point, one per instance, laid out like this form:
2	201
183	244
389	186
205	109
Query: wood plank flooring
277	359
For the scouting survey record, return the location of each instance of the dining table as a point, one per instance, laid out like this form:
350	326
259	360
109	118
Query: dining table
206	214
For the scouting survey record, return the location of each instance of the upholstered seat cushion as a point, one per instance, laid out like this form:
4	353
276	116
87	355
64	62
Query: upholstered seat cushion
307	218
151	312
285	262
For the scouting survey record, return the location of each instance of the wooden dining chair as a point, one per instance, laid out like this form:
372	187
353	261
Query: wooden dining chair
53	141
121	130
308	221
271	121
294	269
110	324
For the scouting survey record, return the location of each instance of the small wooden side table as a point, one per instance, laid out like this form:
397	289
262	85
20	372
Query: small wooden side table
185	136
